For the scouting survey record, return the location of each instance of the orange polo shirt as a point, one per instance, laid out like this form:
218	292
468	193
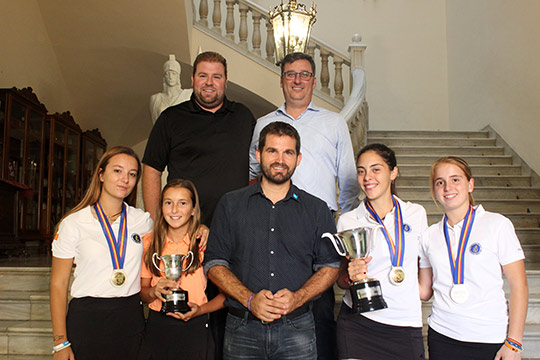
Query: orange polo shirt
194	284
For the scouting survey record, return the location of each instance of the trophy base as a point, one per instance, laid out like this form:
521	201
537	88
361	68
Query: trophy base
176	302
367	296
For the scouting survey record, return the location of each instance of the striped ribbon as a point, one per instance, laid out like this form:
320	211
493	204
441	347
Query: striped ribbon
457	264
397	249
117	245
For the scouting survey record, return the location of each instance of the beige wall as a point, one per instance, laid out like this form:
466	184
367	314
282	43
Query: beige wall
494	72
27	57
406	67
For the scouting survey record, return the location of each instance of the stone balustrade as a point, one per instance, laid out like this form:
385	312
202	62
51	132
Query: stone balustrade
243	25
337	72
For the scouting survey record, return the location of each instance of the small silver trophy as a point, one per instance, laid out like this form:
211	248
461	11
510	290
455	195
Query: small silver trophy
356	243
177	301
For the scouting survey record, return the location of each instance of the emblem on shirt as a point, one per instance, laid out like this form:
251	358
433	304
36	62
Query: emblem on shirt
407	227
136	238
475	249
295	196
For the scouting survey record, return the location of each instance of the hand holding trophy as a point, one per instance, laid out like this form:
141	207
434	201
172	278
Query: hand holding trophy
178	300
356	243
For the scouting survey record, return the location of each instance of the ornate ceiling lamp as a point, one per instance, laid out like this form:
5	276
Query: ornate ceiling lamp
292	24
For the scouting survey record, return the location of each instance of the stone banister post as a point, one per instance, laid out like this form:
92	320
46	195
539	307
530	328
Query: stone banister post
256	39
229	21
243	31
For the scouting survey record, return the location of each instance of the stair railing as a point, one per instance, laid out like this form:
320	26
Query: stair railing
241	30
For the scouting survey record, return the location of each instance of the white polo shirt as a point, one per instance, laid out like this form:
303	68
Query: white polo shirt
404	305
80	237
493	243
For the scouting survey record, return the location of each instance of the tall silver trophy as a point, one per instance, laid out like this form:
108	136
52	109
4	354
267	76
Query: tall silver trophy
177	301
356	243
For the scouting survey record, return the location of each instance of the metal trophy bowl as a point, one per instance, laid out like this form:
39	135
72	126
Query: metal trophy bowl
356	243
177	301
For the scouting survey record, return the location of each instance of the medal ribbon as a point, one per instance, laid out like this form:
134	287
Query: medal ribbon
117	245
397	249
458	265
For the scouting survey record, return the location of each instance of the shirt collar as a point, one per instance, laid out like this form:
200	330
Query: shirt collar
480	211
293	192
362	212
311	107
186	240
196	108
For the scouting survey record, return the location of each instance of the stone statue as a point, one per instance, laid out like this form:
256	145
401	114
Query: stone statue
173	93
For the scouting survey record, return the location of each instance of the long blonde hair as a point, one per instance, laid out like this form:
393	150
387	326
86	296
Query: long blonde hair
161	226
453	160
92	194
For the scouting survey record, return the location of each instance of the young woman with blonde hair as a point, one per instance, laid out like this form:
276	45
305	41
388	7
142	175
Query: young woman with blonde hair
102	237
462	261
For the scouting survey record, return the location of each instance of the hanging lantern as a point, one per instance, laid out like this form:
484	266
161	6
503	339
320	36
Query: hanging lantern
292	24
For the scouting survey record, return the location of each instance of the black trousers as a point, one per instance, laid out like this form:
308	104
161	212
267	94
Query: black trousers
170	338
325	325
444	348
105	328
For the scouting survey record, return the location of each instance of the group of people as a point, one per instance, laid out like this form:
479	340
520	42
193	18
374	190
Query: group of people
272	269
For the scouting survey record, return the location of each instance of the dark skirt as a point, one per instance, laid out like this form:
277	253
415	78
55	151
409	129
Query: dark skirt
105	328
361	338
441	347
170	338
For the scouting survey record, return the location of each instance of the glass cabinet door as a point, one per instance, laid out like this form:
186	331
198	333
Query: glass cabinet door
32	171
57	180
17	122
3	101
72	170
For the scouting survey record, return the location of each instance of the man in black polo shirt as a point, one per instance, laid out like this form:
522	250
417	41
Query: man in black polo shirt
205	140
266	254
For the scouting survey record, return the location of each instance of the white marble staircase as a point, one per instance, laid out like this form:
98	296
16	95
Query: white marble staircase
502	184
25	326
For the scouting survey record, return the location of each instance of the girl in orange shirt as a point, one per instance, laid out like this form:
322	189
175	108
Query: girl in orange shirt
177	335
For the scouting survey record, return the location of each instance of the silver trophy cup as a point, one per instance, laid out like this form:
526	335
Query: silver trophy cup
356	243
177	301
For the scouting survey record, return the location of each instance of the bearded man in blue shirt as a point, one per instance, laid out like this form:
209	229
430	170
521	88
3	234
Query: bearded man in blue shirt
265	252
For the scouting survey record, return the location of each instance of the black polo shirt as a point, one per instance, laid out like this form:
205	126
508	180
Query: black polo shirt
271	246
210	149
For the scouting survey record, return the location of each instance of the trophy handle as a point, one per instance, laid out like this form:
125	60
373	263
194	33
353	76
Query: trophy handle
190	253
338	245
154	261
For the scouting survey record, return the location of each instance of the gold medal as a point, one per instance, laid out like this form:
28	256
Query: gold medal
118	278
397	275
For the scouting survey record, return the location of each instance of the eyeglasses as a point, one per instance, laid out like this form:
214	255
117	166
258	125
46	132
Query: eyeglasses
304	75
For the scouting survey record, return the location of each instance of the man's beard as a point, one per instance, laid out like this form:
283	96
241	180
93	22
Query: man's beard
278	178
212	102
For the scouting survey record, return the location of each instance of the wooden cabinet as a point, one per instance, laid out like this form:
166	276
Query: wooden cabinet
61	176
46	162
93	146
21	156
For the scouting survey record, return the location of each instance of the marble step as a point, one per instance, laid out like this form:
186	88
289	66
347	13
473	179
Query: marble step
493	192
477	170
501	206
479	180
427	133
447	150
24	305
520	220
26	357
472	160
35	278
426	141
32	337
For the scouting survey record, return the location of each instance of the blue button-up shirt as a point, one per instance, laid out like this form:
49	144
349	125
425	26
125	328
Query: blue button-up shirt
327	155
270	246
